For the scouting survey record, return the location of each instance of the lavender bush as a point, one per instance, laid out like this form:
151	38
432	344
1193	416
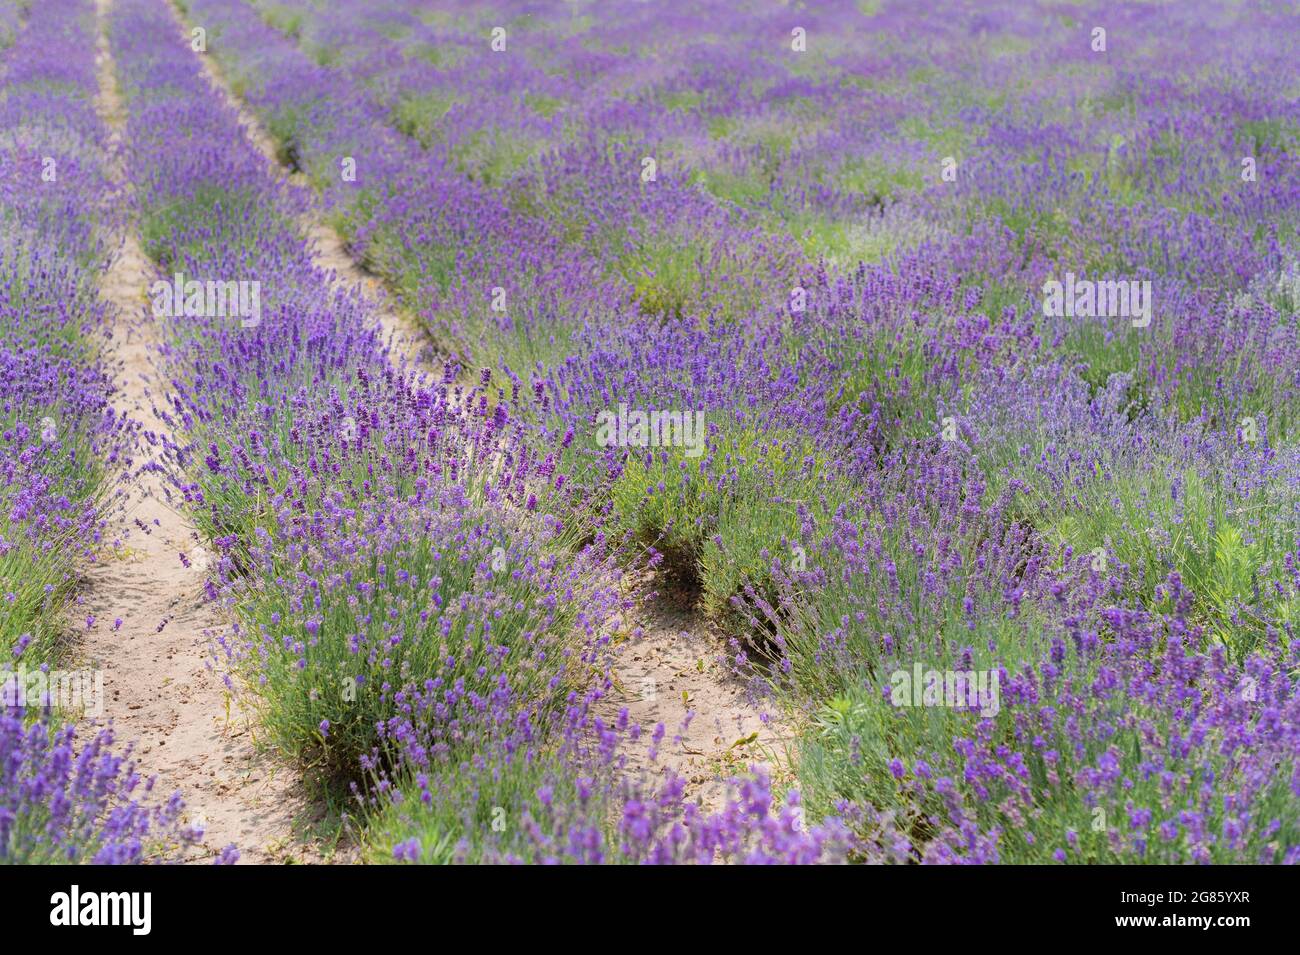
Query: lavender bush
68	801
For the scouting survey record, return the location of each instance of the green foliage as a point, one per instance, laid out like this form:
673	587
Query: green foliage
418	114
705	513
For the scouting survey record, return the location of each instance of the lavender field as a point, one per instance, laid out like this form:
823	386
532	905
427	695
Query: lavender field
625	432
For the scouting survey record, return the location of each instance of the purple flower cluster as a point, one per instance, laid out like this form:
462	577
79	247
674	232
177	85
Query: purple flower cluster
67	801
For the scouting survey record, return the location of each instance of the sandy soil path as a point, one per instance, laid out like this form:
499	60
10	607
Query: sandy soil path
673	665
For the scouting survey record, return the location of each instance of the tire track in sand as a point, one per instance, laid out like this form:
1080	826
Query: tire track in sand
671	669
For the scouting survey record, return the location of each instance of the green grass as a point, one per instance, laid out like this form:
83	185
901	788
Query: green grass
1274	135
544	106
856	731
439	57
418	115
748	189
681	100
1154	514
493	157
744	491
283	18
168	230
468	327
666	274
478	815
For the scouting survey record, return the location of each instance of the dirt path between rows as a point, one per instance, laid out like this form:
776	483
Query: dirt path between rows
671	663
162	690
